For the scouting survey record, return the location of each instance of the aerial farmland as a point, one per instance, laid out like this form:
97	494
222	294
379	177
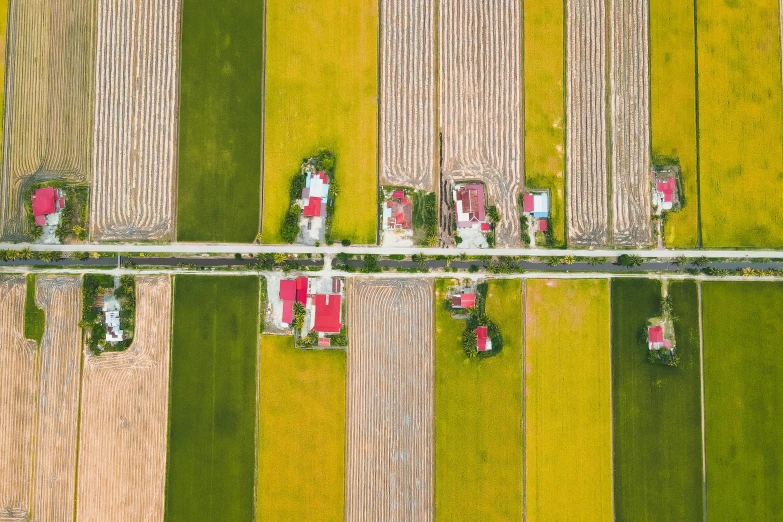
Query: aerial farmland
403	260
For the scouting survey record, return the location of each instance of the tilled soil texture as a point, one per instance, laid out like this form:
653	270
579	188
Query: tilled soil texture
48	109
122	437
389	462
480	111
135	135
630	79
17	401
407	93
57	400
586	165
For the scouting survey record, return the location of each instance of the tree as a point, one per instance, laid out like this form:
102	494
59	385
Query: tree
630	260
346	242
493	215
299	316
681	260
667	306
700	261
279	257
25	253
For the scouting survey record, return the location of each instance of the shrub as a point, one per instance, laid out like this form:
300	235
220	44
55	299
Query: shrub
290	227
346	242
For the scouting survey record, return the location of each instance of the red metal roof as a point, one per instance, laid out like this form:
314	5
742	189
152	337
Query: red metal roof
485	227
528	202
468	300
288	312
398	194
324	341
313	208
667	189
481	337
301	289
655	334
542	225
288	290
327	313
43	201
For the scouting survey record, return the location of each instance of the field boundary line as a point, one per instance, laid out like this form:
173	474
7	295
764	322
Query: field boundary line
699	239
609	116
168	416
703	431
263	130
261	317
611	394
79	411
378	117
36	397
566	171
524	397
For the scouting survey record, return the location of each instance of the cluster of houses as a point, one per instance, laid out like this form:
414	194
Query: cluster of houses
462	301
314	202
322	300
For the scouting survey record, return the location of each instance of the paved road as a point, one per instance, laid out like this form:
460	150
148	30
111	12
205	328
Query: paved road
243	248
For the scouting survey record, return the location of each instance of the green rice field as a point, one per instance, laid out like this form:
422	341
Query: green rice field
673	109
220	121
212	400
478	414
657	408
743	389
321	93
301	433
740	124
544	105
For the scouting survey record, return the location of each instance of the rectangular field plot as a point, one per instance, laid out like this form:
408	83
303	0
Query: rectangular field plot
657	408
212	414
740	135
544	94
743	393
568	410
321	93
301	435
220	120
478	412
124	416
673	108
390	401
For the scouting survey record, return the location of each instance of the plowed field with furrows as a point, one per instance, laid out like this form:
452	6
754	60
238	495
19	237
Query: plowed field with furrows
587	169
480	114
630	78
123	433
407	97
135	135
17	401
48	110
390	401
57	402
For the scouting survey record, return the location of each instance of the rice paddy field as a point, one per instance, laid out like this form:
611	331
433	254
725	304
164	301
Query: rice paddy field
301	434
568	401
321	93
743	396
220	120
657	409
544	105
478	414
211	460
673	108
3	27
741	139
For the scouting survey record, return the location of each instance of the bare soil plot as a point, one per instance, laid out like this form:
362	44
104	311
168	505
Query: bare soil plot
390	401
57	401
586	134
630	80
48	110
407	93
135	135
122	437
480	111
17	401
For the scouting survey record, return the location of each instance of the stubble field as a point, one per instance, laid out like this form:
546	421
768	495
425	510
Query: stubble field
322	92
124	415
480	111
390	401
568	401
135	133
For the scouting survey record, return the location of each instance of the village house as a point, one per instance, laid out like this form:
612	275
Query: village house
398	212
535	205
111	319
322	300
483	342
470	213
658	337
664	193
47	203
462	301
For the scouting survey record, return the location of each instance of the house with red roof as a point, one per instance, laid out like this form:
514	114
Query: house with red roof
315	194
469	206
47	201
665	190
327	313
292	290
483	342
398	212
466	300
659	337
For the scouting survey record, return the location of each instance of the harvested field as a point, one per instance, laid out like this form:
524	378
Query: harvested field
48	112
630	82
124	417
480	111
390	401
17	401
57	400
135	134
407	98
586	134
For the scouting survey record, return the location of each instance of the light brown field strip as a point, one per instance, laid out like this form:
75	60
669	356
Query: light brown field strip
587	169
480	112
390	401
407	93
124	418
135	135
17	401
631	193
